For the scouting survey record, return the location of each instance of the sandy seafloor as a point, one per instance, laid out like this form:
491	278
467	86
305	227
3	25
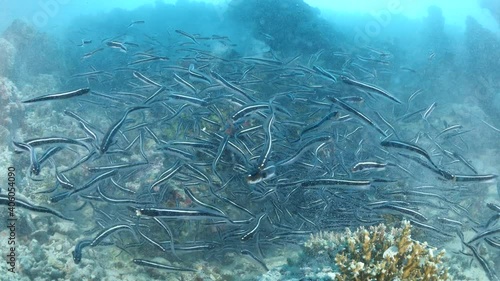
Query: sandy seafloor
45	243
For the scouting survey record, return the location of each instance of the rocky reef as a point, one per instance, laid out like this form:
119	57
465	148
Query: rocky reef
494	7
28	52
306	32
7	55
11	115
482	55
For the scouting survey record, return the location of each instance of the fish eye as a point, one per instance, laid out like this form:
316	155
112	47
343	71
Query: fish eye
35	171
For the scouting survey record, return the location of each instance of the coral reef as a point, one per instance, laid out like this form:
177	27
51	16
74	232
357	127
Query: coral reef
20	34
377	254
36	52
7	55
482	47
41	84
306	31
494	7
12	112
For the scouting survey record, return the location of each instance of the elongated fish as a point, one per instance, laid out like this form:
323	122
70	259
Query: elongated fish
59	96
160	265
135	22
187	35
357	113
6	200
117	45
410	147
107	140
370	88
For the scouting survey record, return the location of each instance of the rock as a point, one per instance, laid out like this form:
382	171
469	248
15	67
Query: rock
7	56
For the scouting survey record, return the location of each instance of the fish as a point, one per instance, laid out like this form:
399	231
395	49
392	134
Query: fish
149	59
229	85
484	264
93	181
358	114
370	88
35	142
153	264
84	42
184	99
7	201
332	115
491	126
447	129
261	174
77	252
494	207
145	79
410	147
184	83
264	61
117	45
108	231
472	178
183	33
135	23
169	173
429	110
198	76
368	165
305	146
325	73
251	233
189	147
107	140
403	210
87	74
465	161
248	109
179	213
59	96
252	255
387	124
334	182
91	53
485	233
35	164
429	227
264	157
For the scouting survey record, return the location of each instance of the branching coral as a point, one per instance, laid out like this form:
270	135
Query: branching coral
377	254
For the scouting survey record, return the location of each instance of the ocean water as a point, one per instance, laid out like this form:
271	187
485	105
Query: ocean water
250	140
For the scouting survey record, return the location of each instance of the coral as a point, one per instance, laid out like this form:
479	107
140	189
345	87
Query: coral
8	91
12	111
324	242
40	84
306	32
378	254
20	33
36	52
7	56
